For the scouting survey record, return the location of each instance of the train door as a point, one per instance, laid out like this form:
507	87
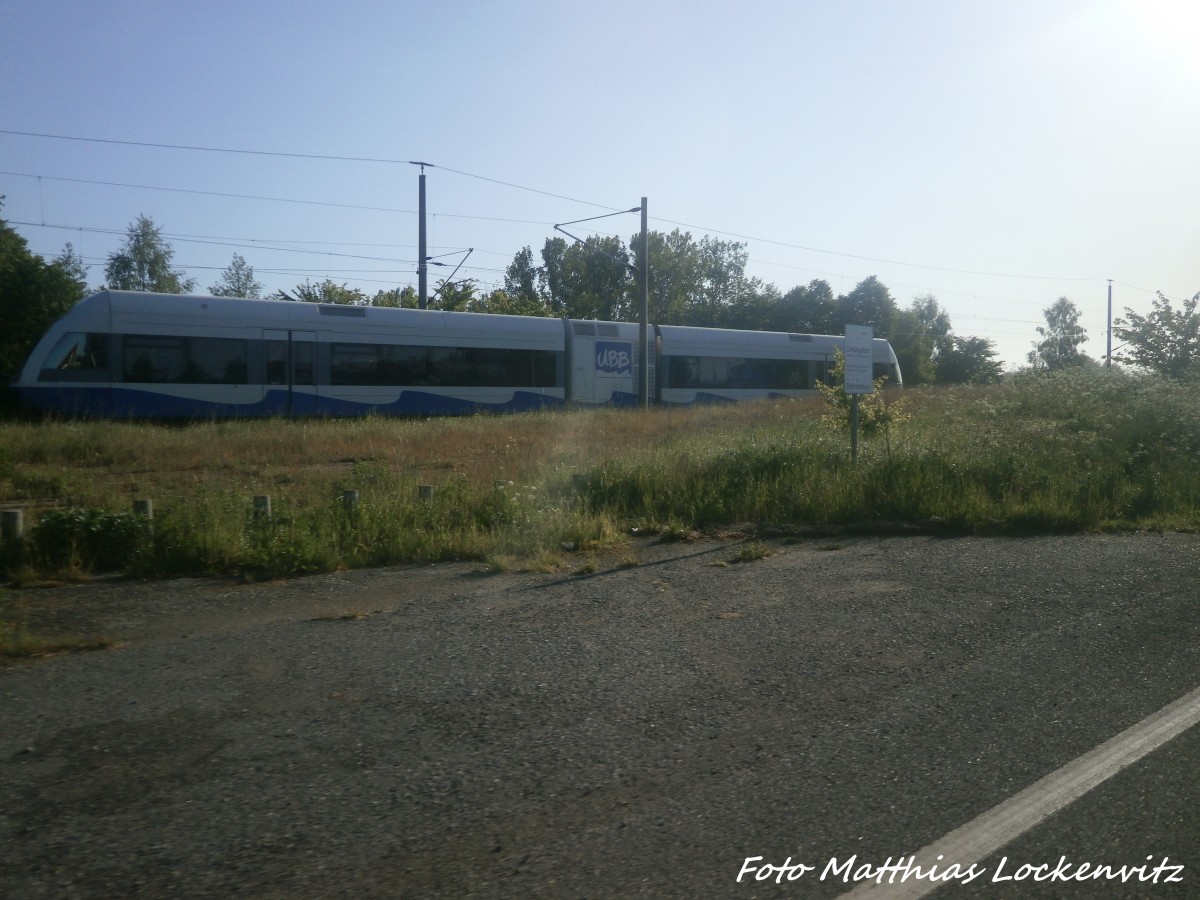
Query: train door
291	366
615	369
822	370
602	363
583	371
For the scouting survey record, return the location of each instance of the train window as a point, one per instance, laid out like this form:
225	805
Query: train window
399	365
77	357
494	367
545	369
879	370
824	371
354	364
277	362
302	362
407	365
216	361
154	359
738	373
162	359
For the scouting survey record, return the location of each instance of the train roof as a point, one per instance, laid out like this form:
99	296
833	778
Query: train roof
238	311
120	308
681	338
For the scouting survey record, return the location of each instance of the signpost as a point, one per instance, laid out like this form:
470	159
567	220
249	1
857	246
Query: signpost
859	370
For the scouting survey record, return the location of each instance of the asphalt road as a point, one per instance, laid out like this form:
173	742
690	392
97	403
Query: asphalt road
636	732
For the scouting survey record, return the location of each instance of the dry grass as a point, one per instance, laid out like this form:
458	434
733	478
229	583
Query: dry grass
529	491
106	464
507	472
17	642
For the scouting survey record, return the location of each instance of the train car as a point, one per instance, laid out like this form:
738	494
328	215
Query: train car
707	365
125	354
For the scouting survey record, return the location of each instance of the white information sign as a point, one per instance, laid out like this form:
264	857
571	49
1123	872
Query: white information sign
858	359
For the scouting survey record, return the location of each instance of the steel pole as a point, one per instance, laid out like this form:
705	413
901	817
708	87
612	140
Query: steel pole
644	320
1108	357
422	250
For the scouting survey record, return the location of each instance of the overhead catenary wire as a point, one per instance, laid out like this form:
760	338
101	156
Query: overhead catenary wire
238	244
890	262
260	245
326	203
293	155
515	186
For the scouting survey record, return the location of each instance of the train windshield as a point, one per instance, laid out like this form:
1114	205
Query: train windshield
889	370
77	357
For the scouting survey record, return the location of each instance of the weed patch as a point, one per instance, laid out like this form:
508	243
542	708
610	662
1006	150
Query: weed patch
1073	451
18	642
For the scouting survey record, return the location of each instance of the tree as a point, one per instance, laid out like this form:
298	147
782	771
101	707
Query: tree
1166	341
674	276
522	277
870	303
916	335
326	292
723	282
878	412
237	281
454	296
72	265
690	282
1059	346
757	308
33	294
969	360
810	309
588	280
501	302
397	298
144	264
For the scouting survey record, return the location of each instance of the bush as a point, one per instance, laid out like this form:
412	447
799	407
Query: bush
92	539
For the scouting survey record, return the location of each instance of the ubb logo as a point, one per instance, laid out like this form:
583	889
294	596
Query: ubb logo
614	358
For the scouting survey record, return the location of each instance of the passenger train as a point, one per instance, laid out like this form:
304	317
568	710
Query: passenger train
139	355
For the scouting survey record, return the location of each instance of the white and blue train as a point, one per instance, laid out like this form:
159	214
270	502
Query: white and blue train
139	355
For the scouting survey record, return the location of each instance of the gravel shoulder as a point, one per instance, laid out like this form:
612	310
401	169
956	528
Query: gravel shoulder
637	731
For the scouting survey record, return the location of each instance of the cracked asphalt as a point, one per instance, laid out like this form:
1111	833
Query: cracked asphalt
639	731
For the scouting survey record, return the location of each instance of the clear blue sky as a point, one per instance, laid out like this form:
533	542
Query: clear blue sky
996	155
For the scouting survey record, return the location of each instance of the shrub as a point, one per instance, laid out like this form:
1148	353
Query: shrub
90	538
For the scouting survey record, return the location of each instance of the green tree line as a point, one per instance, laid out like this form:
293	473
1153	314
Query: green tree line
691	282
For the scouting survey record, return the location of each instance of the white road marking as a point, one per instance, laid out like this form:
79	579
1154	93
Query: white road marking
983	836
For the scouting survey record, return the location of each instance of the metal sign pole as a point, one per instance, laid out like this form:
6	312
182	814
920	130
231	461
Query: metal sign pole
859	368
854	428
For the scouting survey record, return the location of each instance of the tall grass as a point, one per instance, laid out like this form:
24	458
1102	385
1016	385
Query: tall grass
1066	452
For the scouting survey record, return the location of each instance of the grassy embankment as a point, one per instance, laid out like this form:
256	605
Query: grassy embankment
1076	452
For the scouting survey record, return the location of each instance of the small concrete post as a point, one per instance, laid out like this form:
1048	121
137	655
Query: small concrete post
145	509
12	525
350	501
262	507
425	491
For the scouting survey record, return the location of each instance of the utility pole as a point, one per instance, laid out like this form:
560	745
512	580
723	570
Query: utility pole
644	320
422	250
642	274
1108	357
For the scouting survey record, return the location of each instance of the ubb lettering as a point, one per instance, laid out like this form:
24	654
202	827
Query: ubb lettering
614	359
